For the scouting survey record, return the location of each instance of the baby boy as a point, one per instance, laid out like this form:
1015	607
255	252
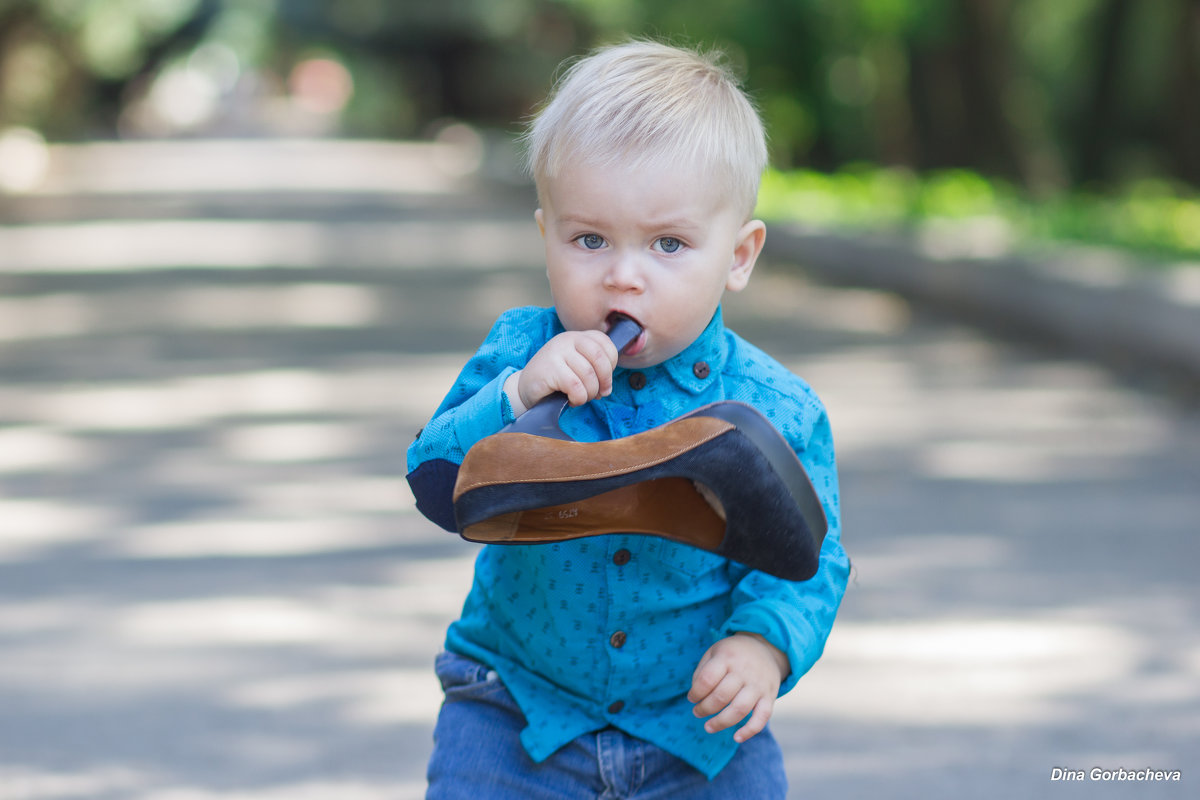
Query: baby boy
613	664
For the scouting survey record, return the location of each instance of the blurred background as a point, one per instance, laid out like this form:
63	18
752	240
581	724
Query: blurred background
1063	118
246	246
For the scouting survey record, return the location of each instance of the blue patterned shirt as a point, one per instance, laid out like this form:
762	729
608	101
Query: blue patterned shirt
607	630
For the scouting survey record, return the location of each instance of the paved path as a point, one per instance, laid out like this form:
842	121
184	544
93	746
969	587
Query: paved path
213	583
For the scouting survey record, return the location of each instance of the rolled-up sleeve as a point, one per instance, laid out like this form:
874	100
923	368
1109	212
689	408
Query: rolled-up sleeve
476	406
452	431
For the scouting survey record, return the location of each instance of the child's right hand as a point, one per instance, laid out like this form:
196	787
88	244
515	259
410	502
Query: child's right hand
579	364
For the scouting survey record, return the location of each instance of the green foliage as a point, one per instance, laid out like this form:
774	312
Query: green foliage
114	35
1049	95
1154	217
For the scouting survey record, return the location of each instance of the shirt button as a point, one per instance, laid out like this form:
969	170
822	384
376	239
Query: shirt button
637	380
622	557
617	640
616	707
700	369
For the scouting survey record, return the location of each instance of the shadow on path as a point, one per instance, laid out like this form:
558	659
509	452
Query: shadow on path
213	583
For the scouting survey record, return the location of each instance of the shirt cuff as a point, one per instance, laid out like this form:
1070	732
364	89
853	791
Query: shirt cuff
754	618
484	413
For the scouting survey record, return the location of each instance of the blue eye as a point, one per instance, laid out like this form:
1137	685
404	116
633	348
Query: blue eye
591	241
669	244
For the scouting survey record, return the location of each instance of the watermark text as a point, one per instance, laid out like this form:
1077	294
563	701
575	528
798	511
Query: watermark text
1116	774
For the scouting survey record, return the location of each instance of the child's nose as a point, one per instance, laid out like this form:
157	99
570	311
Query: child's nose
624	275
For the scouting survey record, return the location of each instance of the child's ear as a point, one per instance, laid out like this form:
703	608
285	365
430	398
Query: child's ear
540	219
747	246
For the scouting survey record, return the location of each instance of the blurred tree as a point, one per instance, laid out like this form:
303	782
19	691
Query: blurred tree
1046	93
1050	93
1096	124
483	60
1182	102
65	64
1184	108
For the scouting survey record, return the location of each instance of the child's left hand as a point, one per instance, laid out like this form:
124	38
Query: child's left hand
738	675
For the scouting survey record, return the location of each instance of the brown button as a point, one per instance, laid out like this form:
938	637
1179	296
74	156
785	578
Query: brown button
616	707
700	369
622	557
617	640
637	380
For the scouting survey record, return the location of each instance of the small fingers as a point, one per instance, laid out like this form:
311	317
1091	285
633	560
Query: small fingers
717	699
577	379
736	681
591	362
733	711
602	354
598	346
758	720
577	363
708	675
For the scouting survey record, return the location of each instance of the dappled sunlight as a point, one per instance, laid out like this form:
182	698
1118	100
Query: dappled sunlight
1012	462
249	165
203	525
778	295
277	452
1183	284
34	448
33	784
97	672
47	317
1007	427
130	407
199	400
1099	268
32	526
24	159
973	672
911	557
388	172
329	493
214	582
317	789
51	616
283	442
240	245
247	171
381	697
304	305
980	237
132	784
244	622
237	536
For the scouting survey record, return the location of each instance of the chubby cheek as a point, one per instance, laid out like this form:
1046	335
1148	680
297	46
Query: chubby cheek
684	319
571	317
571	299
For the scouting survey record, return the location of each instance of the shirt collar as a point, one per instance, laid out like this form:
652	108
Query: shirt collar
701	362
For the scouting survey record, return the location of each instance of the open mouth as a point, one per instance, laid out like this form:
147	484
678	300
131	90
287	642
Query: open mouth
628	334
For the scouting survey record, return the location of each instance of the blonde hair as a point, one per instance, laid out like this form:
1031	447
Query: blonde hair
646	103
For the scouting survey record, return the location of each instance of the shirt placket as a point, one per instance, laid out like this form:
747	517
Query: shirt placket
622	631
636	405
619	566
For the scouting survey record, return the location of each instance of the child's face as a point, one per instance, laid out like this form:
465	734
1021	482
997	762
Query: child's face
660	244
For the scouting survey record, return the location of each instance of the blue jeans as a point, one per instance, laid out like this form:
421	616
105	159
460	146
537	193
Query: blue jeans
478	755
